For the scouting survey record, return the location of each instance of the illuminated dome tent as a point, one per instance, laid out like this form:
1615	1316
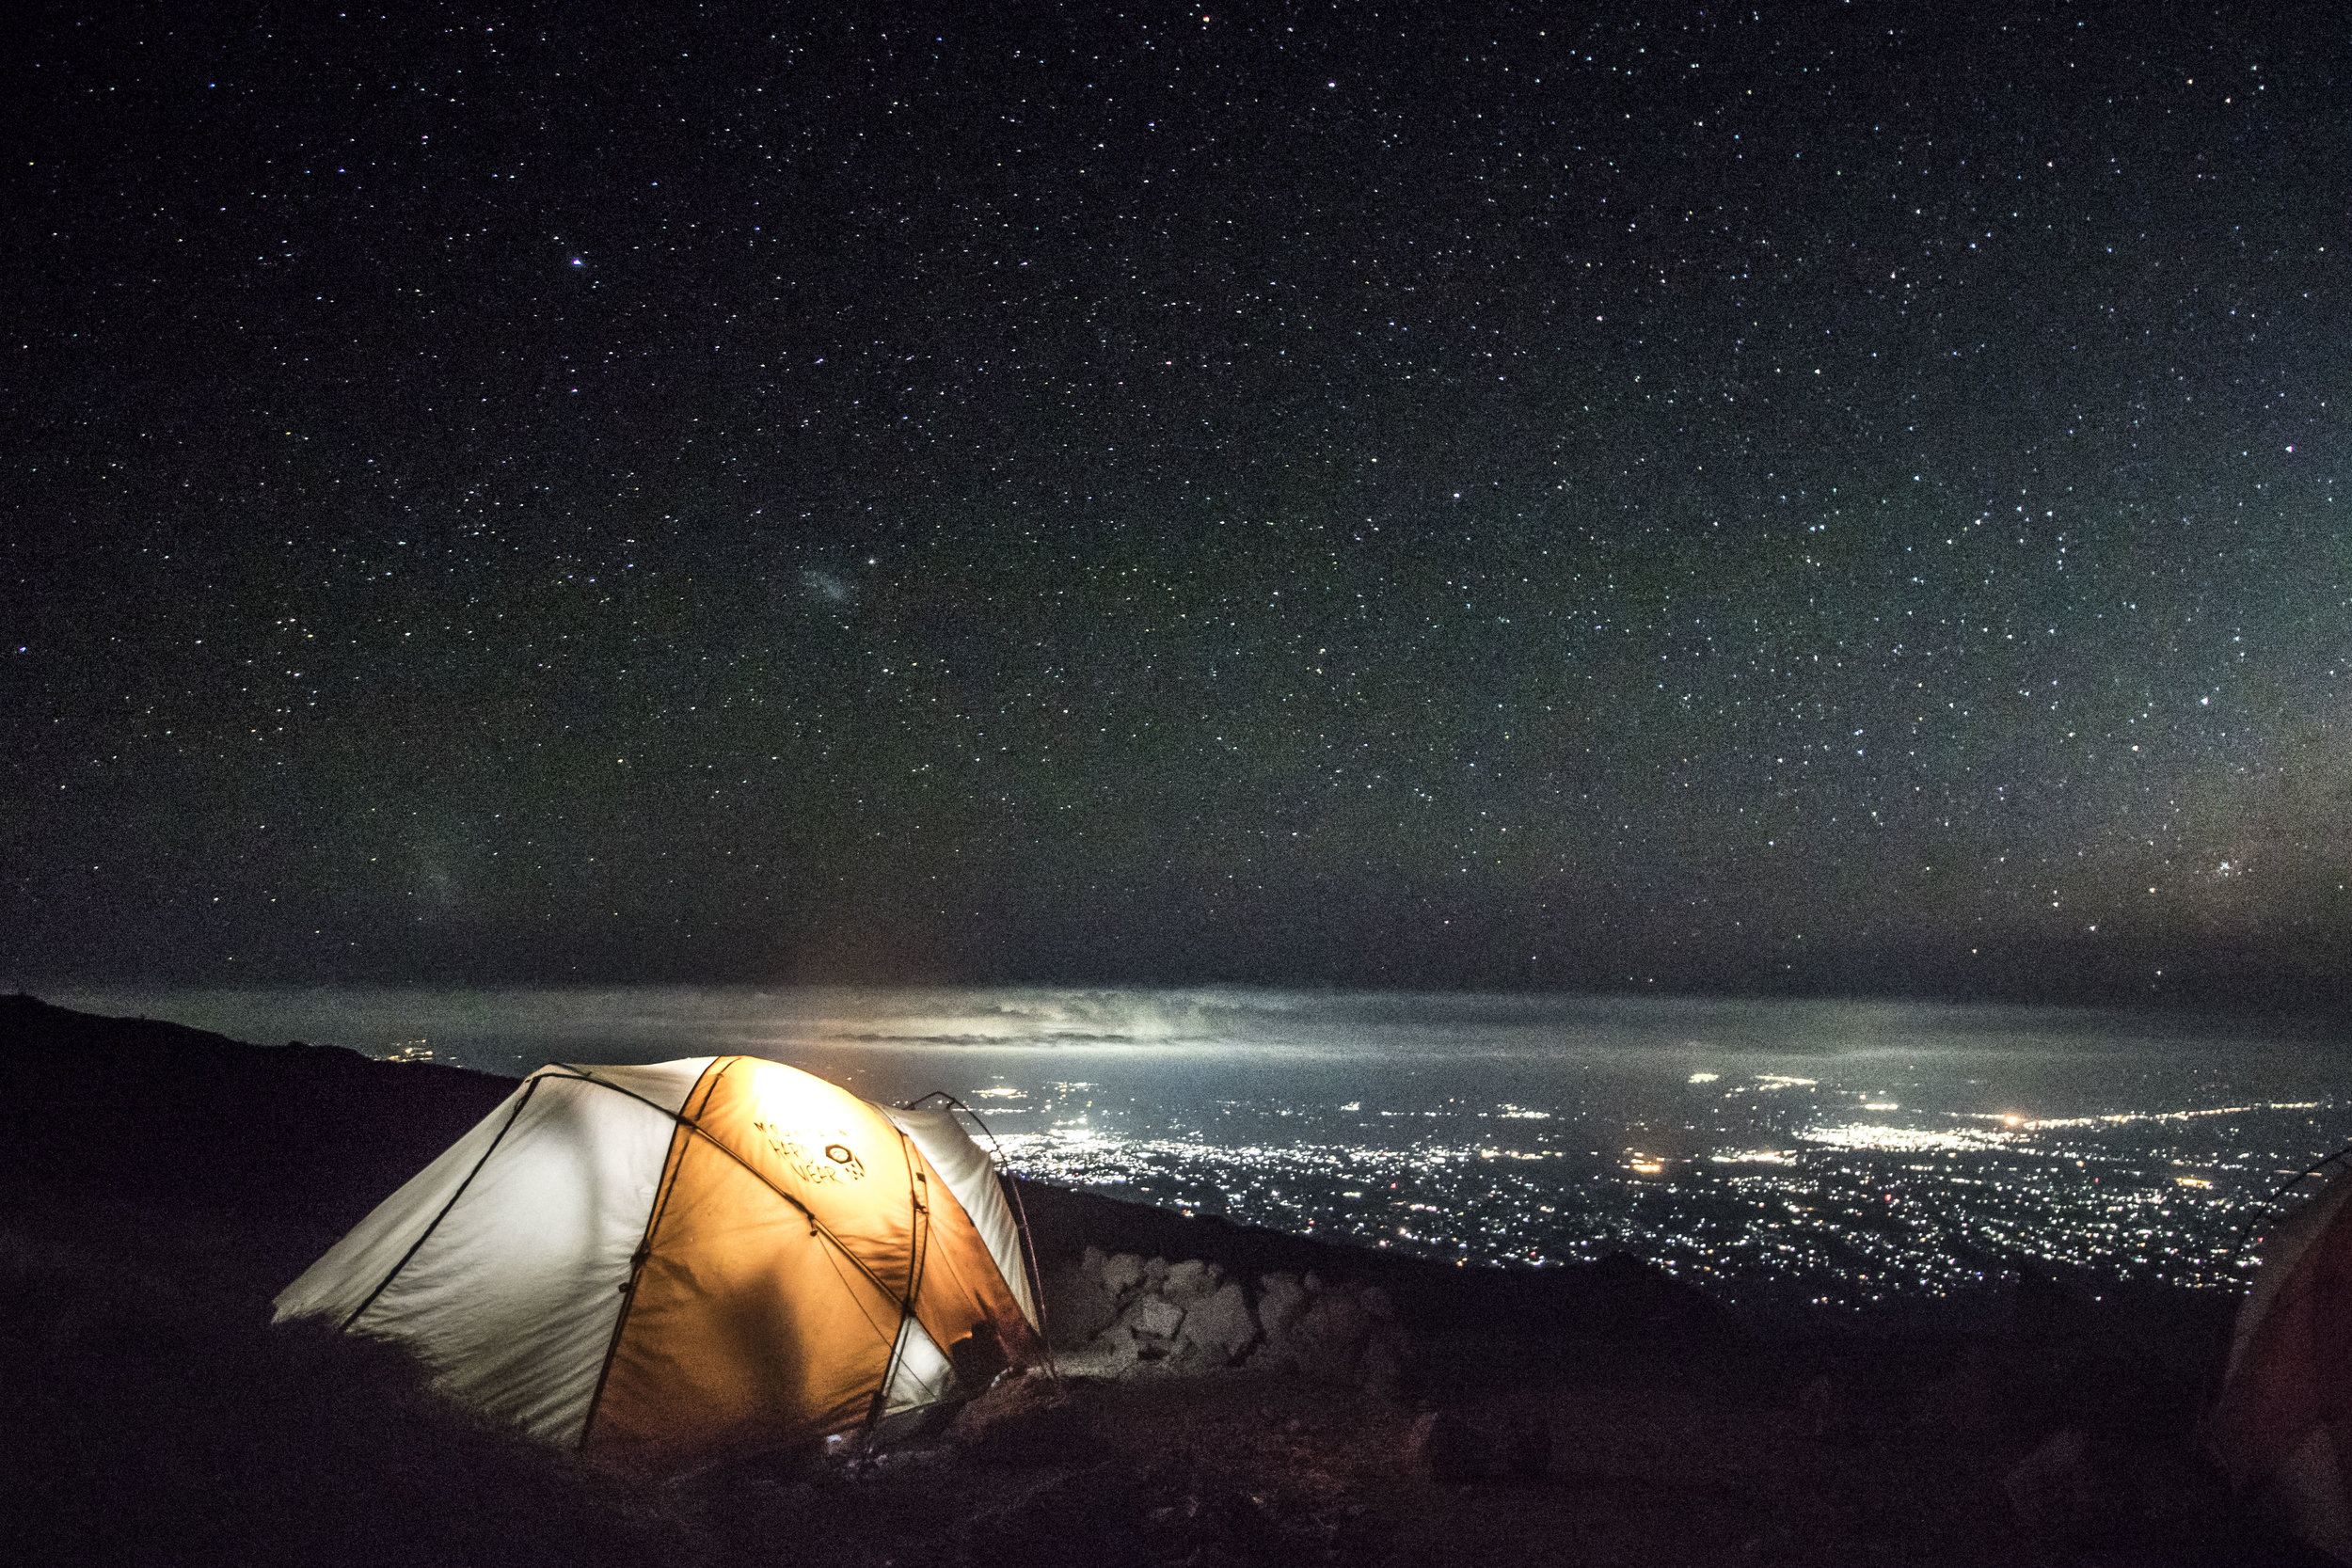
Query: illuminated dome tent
2282	1426
665	1265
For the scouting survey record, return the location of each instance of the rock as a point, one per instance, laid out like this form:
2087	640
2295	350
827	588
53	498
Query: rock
1192	1278
1077	1307
1149	1319
1326	1341
1121	1273
1121	1315
1183	1358
1113	1355
1202	1521
1280	1300
1524	1451
2050	1488
1447	1449
1219	1326
1333	1334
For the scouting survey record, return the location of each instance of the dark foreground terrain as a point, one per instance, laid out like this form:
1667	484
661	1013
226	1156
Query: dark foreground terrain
163	1184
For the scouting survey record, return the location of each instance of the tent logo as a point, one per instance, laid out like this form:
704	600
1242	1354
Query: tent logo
833	1160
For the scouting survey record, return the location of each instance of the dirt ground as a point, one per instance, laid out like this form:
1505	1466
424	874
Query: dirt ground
1656	1456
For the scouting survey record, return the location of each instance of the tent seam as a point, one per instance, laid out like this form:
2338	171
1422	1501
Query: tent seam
698	1099
529	1089
716	1142
1009	1185
922	1230
674	1163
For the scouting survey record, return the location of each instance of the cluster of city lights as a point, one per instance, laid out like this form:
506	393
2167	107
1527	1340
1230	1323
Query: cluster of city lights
1840	1212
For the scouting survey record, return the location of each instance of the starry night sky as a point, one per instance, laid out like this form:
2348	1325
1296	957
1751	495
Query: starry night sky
1821	499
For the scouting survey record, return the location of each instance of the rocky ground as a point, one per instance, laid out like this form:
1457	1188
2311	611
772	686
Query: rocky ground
1229	1396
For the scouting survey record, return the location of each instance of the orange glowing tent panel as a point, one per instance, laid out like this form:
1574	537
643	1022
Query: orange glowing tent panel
665	1265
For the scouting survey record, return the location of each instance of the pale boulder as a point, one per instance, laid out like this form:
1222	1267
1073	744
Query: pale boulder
1151	1320
1190	1279
1077	1307
1121	1273
1219	1327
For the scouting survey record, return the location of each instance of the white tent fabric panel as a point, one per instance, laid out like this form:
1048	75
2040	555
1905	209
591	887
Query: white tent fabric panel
349	1272
921	1373
666	1084
972	1177
512	1301
340	1283
344	1277
513	1288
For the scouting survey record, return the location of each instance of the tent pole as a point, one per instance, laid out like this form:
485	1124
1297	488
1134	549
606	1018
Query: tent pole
2271	1205
906	1305
1021	1220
